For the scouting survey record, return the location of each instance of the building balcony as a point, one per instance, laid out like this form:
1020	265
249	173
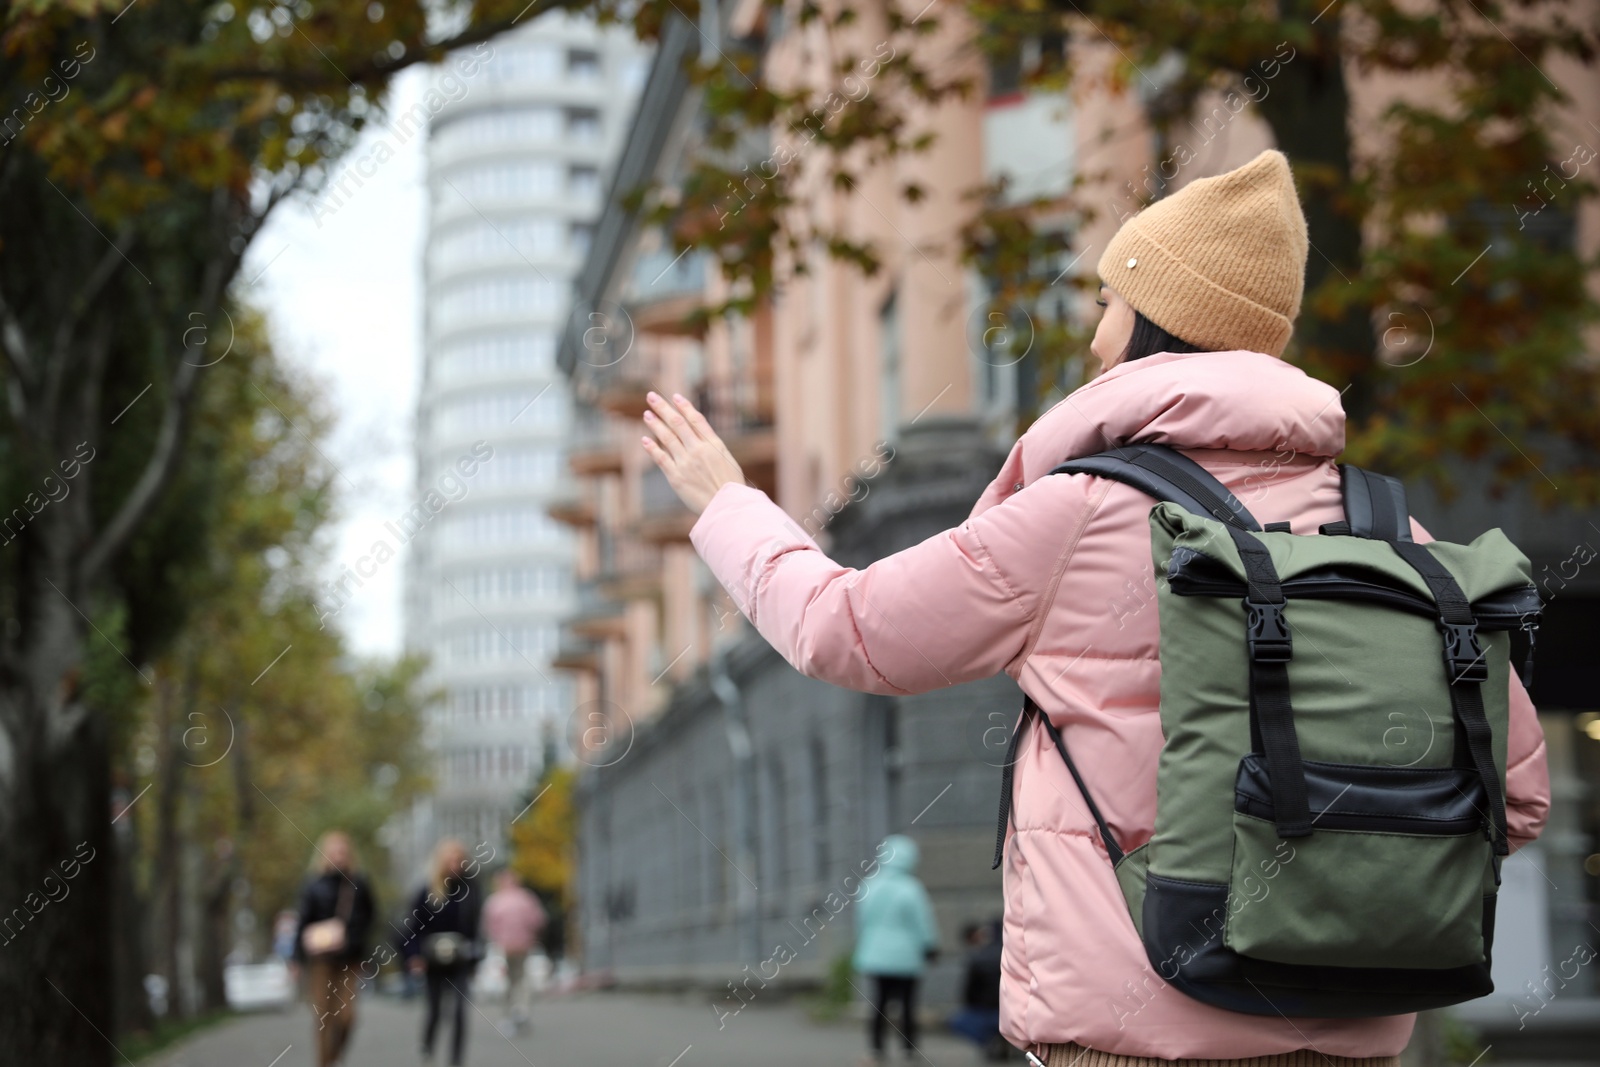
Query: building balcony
625	393
630	568
599	617
665	290
741	414
663	518
576	654
594	450
574	509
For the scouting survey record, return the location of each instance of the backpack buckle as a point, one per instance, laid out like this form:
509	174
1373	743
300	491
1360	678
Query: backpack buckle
1463	658
1268	632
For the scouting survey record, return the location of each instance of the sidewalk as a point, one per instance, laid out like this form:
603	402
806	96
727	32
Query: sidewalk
587	1030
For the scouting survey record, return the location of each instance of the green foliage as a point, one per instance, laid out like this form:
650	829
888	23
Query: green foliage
1462	1044
544	838
838	990
270	732
544	848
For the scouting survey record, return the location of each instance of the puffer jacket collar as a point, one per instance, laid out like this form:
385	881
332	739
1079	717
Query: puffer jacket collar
1240	401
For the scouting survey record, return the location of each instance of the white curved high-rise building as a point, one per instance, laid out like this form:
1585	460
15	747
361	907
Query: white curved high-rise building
518	155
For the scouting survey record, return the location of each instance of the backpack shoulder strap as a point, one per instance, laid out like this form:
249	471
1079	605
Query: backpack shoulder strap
1166	475
1375	504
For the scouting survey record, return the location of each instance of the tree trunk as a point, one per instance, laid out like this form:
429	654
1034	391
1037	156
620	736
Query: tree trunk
1309	112
130	1001
166	896
215	930
56	881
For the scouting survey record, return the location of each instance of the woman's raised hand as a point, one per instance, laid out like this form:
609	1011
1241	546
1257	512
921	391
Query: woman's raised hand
688	451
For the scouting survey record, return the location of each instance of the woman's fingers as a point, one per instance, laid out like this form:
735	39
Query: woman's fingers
697	422
665	424
665	462
688	451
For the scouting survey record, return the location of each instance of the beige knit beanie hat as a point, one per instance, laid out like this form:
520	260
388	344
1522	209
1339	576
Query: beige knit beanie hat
1221	263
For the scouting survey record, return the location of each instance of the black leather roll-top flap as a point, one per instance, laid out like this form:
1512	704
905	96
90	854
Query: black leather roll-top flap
1425	800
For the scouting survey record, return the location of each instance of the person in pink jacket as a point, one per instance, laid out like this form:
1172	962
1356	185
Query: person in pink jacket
1050	581
513	919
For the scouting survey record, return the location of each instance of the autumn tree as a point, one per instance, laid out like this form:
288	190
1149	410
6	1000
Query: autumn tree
256	734
544	845
142	146
1452	233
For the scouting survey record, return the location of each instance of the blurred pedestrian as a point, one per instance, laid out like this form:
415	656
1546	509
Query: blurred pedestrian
440	942
979	1018
285	928
513	919
895	938
336	909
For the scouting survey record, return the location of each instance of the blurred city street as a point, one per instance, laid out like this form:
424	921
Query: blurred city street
593	1029
625	505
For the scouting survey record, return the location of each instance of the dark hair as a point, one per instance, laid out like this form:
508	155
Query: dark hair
1148	339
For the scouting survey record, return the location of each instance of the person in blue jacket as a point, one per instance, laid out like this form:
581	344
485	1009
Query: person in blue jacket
895	938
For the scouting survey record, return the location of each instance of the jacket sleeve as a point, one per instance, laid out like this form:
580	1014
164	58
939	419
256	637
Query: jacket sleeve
936	614
1527	773
362	907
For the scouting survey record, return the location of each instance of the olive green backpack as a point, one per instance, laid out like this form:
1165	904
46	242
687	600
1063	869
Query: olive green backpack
1330	815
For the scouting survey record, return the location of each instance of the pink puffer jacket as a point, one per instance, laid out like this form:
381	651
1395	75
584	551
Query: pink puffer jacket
1050	581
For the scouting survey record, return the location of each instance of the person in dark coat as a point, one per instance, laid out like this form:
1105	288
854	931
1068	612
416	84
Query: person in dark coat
979	1017
330	941
439	940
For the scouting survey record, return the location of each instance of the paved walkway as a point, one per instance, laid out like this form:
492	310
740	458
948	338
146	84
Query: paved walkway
586	1030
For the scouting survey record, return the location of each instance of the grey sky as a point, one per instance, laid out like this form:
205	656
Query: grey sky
342	289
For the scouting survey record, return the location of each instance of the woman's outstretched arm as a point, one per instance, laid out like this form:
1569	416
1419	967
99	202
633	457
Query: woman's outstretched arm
937	614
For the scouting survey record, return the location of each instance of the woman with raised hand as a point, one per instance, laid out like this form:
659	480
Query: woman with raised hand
1200	292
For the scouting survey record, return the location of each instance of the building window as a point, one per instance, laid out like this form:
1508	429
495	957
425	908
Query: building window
539	125
583	181
526	468
711	859
583	124
688	854
504	584
776	832
509	642
579	237
889	365
477	240
489	182
524	62
821	853
500	354
479	705
583	63
516	297
486	413
504	526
